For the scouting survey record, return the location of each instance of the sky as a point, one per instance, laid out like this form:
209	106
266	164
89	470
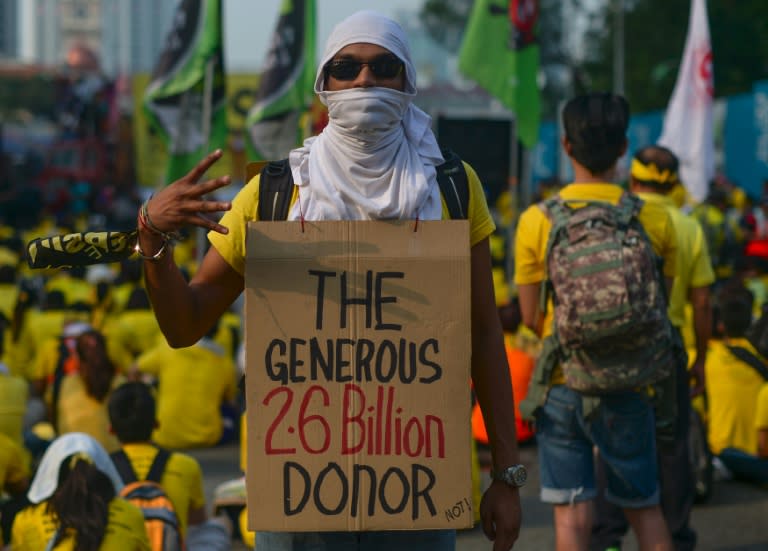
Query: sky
249	25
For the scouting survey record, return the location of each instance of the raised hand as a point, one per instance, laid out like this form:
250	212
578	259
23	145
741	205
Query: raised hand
183	202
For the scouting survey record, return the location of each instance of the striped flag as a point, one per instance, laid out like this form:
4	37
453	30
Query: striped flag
286	86
688	127
186	97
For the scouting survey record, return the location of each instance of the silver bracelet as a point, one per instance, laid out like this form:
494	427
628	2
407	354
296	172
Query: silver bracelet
155	257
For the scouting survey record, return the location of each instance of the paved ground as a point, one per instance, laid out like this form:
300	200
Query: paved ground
734	519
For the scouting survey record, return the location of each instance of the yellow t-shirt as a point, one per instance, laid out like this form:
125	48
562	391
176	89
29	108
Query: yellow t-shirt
13	404
245	207
77	411
182	478
193	383
9	293
34	527
132	332
533	228
761	415
37	328
732	389
694	268
14	463
74	289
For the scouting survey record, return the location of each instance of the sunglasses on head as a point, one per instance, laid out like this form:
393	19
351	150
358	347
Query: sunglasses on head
383	66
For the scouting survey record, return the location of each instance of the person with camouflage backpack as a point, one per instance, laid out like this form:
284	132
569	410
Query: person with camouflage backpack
593	267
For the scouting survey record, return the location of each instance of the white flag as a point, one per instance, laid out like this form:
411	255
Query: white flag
688	121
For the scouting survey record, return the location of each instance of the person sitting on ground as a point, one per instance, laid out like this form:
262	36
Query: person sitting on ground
82	400
75	504
132	417
733	388
193	384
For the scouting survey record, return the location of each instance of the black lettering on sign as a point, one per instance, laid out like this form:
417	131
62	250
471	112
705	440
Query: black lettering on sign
393	493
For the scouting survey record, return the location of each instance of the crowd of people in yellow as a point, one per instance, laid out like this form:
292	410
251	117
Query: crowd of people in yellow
75	343
81	354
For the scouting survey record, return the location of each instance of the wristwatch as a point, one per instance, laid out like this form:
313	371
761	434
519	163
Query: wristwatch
515	475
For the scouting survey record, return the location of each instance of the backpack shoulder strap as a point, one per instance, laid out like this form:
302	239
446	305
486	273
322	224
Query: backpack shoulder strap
454	185
158	465
123	466
629	207
275	191
750	359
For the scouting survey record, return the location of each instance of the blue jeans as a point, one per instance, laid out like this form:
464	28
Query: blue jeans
397	540
622	428
745	466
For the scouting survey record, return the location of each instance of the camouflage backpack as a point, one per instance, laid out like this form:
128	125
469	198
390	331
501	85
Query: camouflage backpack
610	307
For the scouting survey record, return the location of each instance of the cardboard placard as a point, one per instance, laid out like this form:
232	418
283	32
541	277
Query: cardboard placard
358	375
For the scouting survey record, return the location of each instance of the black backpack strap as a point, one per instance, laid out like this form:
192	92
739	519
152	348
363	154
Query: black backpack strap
275	191
750	359
123	466
454	185
158	465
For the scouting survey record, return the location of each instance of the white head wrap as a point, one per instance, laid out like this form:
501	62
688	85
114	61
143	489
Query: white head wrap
376	158
47	476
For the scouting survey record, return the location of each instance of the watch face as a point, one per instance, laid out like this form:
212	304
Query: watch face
515	475
519	475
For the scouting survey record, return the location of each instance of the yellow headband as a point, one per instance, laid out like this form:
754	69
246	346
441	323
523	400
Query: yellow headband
650	173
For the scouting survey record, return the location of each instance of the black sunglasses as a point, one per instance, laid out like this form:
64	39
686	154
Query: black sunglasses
383	66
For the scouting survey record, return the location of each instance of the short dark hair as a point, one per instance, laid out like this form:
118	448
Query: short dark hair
734	307
596	125
132	412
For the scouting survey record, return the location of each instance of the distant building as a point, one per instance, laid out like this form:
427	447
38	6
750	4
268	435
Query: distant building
9	24
127	35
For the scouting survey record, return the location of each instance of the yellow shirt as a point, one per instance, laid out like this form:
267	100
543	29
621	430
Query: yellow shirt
77	411
182	478
13	404
193	383
533	228
244	209
14	463
9	293
132	332
74	289
34	527
694	268
732	389
761	415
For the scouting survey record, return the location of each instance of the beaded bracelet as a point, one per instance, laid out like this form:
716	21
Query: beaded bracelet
146	222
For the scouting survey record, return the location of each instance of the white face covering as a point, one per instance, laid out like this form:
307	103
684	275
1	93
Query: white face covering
367	114
376	158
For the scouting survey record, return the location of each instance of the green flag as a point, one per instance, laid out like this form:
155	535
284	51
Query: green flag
286	85
186	97
500	52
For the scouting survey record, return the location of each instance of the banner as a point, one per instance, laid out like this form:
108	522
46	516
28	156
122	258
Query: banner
286	85
185	100
688	126
500	51
357	378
